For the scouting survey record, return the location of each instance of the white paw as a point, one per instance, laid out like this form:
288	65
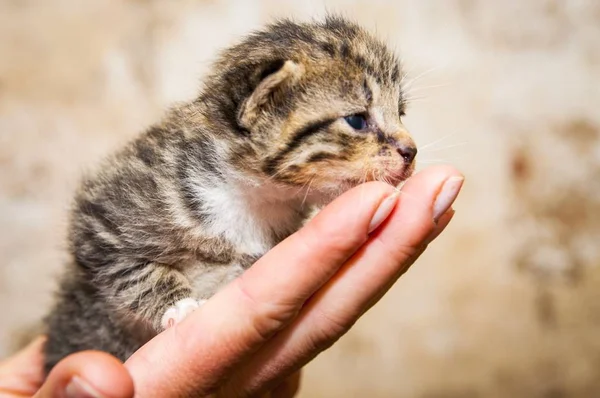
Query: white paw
179	311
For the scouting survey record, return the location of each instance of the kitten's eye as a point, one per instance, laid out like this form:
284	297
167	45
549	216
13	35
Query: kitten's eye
357	122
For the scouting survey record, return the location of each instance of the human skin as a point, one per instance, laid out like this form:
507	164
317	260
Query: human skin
253	337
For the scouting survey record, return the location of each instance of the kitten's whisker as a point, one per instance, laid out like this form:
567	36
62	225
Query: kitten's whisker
428	150
410	83
280	171
419	101
436	141
416	99
417	89
435	161
303	186
307	190
385	179
443	158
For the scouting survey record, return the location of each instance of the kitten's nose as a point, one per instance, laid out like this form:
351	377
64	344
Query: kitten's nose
404	144
408	152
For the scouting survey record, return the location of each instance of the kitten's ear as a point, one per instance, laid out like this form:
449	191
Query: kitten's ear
273	80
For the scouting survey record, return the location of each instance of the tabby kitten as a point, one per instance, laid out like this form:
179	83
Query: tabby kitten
290	117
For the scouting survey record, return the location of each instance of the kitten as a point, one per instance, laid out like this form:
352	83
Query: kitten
290	117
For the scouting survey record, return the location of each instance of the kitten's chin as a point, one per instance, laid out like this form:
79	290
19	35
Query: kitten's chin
322	196
391	177
329	191
397	178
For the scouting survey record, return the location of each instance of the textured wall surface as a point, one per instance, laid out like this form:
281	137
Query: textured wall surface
506	303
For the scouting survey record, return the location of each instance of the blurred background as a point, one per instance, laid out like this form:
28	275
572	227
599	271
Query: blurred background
506	302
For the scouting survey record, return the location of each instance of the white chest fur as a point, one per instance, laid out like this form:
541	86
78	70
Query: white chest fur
232	217
248	216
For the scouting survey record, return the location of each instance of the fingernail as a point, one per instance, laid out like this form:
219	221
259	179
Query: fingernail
79	388
446	196
384	210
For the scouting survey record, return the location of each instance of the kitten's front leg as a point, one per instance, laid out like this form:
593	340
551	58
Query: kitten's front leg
179	311
155	293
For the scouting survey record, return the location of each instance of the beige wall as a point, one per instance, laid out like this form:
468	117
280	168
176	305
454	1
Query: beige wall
506	303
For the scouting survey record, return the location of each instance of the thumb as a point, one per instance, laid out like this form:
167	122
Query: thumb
88	374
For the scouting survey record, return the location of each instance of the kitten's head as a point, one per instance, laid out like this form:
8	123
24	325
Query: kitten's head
317	104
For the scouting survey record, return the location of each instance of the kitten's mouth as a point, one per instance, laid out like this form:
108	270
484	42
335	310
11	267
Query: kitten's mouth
398	176
391	176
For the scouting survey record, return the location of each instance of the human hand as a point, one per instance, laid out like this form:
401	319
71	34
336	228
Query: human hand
254	335
81	375
88	374
300	297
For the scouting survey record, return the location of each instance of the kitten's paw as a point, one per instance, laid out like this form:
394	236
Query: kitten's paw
179	311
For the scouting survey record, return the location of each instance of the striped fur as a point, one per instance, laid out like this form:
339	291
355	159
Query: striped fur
197	198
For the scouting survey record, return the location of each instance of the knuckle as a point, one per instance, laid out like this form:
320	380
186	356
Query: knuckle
328	329
265	318
401	252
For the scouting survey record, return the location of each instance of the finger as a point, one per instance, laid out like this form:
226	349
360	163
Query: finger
22	374
247	312
441	225
289	388
88	374
358	285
